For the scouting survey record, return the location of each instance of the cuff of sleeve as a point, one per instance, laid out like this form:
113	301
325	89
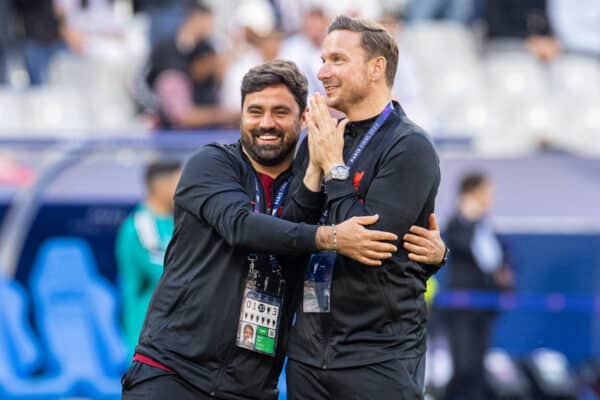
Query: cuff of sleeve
336	189
307	238
431	269
307	198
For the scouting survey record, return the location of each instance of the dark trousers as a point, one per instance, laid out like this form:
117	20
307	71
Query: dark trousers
389	380
142	382
468	337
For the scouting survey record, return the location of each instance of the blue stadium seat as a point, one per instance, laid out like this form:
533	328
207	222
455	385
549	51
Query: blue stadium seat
76	313
18	346
20	354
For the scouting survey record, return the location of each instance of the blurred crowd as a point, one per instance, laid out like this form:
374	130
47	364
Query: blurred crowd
508	68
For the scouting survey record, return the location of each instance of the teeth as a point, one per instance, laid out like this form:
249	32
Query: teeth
268	137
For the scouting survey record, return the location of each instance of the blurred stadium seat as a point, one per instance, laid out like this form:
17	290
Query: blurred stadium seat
75	305
576	76
505	377
60	112
102	90
549	372
11	112
20	352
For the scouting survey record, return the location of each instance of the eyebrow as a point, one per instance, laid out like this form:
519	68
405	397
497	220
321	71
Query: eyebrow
282	107
253	107
332	54
278	107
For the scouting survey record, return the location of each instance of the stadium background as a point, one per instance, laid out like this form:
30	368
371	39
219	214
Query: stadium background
73	149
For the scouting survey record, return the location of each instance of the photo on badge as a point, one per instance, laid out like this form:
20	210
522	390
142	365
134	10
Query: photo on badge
248	336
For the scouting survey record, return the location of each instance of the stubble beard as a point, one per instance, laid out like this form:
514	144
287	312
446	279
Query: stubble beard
270	155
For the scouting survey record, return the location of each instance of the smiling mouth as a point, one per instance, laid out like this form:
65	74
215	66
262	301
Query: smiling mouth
268	138
330	88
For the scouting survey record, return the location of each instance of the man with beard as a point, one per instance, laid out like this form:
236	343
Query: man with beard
226	267
366	339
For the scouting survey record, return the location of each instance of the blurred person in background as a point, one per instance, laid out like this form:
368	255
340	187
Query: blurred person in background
256	40
304	47
478	263
6	37
141	244
184	75
576	25
454	10
406	85
44	32
166	16
98	25
517	23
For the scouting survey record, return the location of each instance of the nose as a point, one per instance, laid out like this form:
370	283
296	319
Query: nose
267	121
324	72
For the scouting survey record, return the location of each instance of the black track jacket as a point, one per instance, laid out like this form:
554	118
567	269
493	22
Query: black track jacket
377	313
192	319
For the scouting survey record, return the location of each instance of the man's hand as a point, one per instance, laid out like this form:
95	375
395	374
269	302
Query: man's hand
325	135
366	246
425	246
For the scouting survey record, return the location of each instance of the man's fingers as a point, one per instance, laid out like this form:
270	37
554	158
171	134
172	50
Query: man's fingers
382	247
418	250
310	123
320	113
433	223
366	220
414	239
381	236
369	261
376	255
419	230
313	113
322	105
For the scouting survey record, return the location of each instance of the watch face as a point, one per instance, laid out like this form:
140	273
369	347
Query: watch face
340	172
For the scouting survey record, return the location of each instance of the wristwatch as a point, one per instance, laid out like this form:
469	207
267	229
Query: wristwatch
339	172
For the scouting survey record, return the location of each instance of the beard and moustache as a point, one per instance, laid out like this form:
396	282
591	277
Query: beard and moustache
270	154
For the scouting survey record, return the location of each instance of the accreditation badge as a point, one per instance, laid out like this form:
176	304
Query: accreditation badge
317	283
260	314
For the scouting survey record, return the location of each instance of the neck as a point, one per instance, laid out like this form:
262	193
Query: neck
470	209
274	170
157	206
370	106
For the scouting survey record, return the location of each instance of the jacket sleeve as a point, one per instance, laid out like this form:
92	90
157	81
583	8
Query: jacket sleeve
406	179
211	189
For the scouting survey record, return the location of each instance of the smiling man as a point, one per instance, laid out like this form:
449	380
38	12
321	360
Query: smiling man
366	338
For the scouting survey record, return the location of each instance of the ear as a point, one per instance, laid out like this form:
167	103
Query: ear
377	67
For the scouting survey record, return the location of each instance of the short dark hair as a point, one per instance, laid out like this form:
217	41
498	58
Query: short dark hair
160	168
375	40
472	181
197	6
273	73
